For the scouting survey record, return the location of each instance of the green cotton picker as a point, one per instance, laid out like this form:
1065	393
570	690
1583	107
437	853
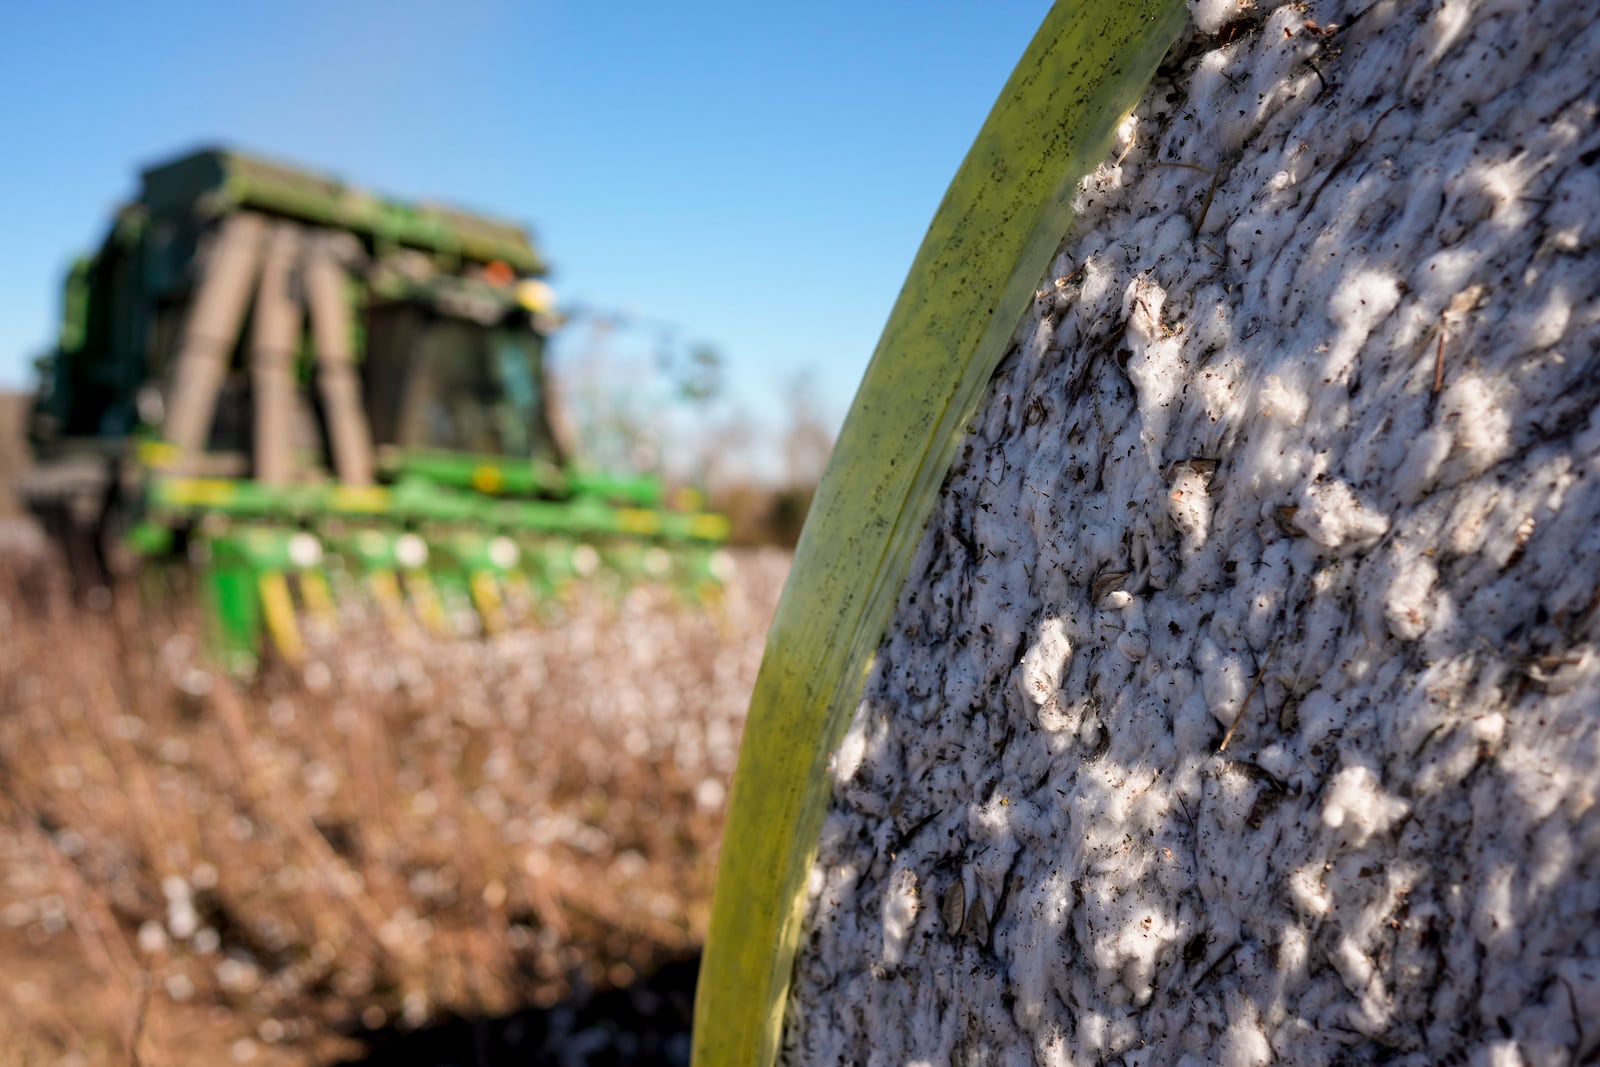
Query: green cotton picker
307	389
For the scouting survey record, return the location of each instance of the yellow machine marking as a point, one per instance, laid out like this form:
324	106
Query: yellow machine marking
987	248
487	479
199	492
277	607
710	527
364	498
425	601
158	455
487	599
636	520
385	587
318	596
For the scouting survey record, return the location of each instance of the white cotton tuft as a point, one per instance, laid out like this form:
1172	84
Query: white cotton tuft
1357	805
1333	516
1044	665
1211	15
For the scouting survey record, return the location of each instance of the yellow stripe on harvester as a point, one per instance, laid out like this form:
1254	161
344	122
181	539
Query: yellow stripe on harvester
277	608
360	498
385	588
199	492
710	527
987	248
318	597
484	589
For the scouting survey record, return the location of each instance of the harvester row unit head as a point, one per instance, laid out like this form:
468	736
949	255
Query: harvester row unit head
302	386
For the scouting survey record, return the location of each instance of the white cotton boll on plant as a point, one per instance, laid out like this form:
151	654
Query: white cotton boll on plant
152	937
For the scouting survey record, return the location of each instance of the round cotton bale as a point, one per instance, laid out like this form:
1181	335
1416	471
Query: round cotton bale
1242	702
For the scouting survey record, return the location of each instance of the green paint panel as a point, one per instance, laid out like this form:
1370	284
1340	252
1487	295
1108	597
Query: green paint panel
235	180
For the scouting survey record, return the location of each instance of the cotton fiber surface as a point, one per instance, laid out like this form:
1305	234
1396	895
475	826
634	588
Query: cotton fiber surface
1298	450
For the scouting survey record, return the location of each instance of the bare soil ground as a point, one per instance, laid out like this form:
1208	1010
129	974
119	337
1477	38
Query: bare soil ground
403	851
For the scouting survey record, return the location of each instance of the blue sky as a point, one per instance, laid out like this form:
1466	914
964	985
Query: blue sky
756	176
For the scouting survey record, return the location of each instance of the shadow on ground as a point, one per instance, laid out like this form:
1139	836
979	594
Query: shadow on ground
645	1022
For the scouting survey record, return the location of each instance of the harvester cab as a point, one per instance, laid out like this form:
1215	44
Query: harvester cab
306	390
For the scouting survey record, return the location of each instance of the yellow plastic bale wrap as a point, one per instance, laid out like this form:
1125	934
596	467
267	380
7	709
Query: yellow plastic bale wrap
988	245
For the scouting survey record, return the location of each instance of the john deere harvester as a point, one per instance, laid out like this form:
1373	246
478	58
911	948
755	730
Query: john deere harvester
304	389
